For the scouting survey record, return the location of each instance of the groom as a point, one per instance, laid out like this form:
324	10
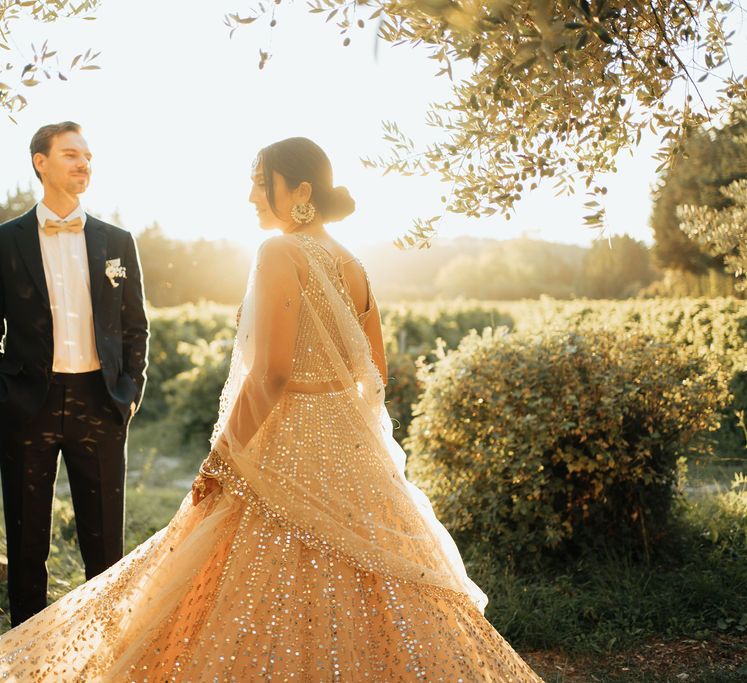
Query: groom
72	368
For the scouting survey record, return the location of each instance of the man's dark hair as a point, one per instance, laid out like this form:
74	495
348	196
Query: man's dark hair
42	140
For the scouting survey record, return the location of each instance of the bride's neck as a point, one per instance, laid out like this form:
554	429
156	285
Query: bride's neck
315	228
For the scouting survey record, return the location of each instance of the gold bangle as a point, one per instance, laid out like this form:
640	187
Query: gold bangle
204	466
205	473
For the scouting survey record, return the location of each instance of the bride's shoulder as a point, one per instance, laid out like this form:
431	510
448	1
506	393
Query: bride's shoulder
279	246
279	251
345	254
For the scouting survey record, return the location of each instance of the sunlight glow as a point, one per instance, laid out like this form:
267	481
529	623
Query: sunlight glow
178	111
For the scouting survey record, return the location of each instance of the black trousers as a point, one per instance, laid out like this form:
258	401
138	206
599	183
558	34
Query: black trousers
79	420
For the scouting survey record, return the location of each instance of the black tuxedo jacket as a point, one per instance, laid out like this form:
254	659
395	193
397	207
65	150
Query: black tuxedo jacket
119	320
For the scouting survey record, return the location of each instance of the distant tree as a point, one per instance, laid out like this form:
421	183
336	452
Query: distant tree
411	275
515	269
616	268
710	160
462	276
178	271
558	88
720	227
158	256
679	283
16	204
18	74
723	231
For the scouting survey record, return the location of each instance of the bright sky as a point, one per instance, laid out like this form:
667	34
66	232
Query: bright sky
178	111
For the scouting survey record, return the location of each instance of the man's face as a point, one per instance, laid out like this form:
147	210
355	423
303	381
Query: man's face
67	167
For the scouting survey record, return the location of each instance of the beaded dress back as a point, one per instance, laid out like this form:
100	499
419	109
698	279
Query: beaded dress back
316	560
309	361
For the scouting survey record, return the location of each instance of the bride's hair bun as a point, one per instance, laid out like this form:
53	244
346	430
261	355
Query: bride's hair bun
301	160
338	205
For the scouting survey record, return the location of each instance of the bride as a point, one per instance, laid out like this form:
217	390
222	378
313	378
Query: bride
302	552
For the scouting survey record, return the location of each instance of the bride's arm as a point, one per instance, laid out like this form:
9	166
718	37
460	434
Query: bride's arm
274	332
372	328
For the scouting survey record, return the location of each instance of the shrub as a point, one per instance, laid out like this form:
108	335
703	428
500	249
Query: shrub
533	444
193	396
170	327
415	327
716	328
423	329
402	391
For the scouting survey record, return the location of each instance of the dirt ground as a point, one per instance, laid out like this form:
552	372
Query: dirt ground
718	660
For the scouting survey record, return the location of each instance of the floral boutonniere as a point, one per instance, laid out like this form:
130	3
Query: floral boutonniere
114	270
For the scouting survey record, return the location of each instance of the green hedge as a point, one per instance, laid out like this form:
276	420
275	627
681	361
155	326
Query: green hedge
716	328
529	443
415	327
416	330
174	332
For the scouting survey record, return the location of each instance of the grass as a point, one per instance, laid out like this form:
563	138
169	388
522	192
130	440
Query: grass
160	471
713	474
605	618
611	603
158	457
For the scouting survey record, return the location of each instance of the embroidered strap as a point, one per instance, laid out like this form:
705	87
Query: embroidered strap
318	250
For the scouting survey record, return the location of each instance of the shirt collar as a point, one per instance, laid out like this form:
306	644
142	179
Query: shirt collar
44	214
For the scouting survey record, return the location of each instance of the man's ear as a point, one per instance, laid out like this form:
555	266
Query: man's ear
38	160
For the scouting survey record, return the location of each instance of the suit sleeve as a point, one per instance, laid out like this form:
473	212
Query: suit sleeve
134	321
3	329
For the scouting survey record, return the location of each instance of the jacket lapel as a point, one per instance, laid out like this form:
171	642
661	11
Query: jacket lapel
27	239
96	248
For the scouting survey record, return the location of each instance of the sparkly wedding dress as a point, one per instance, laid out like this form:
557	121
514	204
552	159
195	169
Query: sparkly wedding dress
316	560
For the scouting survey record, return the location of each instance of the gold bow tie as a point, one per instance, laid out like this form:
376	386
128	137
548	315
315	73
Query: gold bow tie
53	227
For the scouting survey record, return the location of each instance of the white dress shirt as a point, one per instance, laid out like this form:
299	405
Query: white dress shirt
65	260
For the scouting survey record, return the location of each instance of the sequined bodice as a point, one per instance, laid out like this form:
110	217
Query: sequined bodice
310	363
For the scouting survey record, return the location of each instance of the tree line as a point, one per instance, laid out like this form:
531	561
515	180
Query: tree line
178	271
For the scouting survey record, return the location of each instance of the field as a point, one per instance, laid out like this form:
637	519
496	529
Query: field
605	615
